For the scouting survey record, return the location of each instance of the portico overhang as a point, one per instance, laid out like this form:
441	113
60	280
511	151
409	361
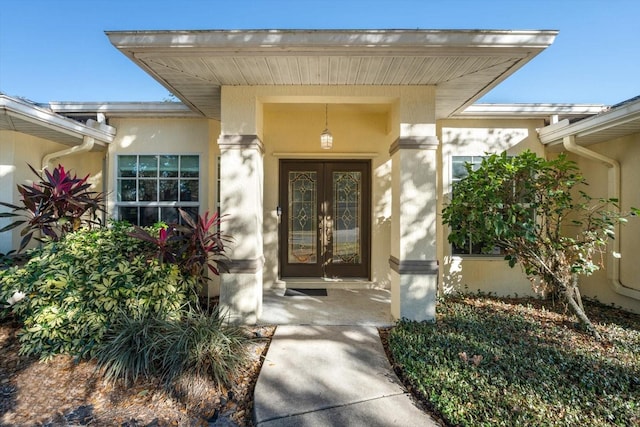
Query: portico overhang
462	64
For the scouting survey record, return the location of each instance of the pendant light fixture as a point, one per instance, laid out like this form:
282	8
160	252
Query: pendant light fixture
326	139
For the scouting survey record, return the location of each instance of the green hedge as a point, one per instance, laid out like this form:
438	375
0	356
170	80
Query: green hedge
77	287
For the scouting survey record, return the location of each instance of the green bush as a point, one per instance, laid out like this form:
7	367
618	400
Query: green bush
491	362
78	286
197	345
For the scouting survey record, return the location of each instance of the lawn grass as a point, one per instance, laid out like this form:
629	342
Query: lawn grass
492	362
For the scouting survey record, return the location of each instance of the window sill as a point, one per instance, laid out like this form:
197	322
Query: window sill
458	257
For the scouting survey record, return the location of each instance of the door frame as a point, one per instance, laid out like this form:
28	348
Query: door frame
363	271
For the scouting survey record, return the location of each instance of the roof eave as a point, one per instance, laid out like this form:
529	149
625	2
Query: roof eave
627	114
124	109
527	110
328	41
47	119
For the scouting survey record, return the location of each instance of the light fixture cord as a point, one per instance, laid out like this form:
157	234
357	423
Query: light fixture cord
326	113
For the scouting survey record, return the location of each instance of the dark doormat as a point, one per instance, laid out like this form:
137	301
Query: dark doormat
304	292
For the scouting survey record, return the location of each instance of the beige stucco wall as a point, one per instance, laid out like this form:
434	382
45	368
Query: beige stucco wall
17	150
626	151
168	136
475	273
365	121
360	132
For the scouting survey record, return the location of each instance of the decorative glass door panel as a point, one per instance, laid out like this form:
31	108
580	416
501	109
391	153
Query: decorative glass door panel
302	241
324	228
347	212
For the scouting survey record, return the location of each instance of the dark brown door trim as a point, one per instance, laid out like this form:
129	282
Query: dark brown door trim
324	265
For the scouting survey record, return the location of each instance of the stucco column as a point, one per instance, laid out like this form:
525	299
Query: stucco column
413	254
241	189
241	203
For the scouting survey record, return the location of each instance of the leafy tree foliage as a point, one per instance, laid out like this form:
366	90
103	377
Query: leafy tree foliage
533	209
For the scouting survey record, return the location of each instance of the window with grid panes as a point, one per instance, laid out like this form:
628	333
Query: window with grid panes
458	172
151	188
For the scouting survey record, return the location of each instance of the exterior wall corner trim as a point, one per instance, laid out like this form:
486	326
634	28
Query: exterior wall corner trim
245	266
240	142
423	267
427	142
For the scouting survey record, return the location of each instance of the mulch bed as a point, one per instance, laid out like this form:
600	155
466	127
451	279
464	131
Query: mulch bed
64	392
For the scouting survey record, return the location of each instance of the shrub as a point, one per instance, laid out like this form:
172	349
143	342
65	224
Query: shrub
78	286
58	204
195	346
194	246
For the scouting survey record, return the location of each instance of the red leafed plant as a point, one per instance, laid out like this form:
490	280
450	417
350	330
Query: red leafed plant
194	245
58	204
164	242
203	244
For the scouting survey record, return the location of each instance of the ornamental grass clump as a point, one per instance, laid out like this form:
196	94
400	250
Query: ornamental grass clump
505	363
197	346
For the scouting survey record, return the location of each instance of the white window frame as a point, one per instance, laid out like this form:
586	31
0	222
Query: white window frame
193	206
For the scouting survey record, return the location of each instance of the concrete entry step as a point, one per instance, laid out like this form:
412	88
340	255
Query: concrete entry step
324	282
364	307
331	376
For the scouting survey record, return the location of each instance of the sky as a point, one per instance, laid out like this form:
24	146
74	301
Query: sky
56	50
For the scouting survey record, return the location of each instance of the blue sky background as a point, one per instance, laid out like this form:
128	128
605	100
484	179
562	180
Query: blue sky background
56	50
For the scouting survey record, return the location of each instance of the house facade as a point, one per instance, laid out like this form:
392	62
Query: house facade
245	140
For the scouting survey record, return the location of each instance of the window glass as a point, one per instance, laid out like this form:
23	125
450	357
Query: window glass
148	190
152	187
128	214
168	190
458	169
148	216
188	191
169	166
169	215
189	167
127	166
127	190
148	166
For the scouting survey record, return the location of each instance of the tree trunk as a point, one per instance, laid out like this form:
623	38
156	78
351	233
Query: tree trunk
576	291
572	296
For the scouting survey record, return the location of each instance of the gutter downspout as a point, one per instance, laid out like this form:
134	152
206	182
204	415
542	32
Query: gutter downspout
87	144
613	192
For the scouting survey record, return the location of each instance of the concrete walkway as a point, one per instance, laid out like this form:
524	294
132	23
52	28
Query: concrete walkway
331	376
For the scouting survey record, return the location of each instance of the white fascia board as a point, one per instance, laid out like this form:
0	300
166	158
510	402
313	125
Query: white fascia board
529	110
238	42
125	109
553	134
48	119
